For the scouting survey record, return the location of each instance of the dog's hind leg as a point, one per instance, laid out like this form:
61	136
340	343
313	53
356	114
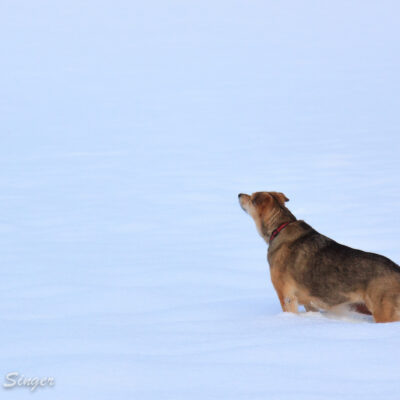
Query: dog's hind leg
383	299
386	310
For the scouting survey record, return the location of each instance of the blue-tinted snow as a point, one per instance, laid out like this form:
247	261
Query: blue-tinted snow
129	270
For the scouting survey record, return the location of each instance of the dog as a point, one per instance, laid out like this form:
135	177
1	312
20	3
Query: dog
310	269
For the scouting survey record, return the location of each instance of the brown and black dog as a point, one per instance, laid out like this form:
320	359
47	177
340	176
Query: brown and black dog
310	269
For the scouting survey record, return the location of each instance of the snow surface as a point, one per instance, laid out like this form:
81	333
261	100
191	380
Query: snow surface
129	270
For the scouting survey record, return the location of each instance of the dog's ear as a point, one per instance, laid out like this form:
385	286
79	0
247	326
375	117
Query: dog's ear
280	197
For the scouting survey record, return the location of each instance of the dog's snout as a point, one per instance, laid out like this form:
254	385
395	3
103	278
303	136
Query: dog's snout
240	194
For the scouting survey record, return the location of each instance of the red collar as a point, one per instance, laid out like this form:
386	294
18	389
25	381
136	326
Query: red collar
276	232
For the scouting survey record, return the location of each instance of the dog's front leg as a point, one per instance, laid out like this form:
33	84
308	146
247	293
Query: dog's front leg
291	304
310	307
288	300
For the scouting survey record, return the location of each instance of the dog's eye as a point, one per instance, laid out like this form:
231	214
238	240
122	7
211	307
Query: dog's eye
257	200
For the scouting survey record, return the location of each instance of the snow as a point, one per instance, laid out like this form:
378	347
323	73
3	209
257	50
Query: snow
129	270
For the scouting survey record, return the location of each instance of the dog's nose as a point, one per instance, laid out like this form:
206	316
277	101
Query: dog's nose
239	195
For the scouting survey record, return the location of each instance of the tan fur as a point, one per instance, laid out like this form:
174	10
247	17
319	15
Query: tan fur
309	269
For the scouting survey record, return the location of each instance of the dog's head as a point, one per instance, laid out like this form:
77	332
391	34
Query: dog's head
264	208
